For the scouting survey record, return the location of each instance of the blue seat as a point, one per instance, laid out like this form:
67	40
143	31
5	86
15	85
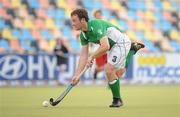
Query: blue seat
140	35
140	5
132	14
67	32
26	35
45	33
16	33
51	13
166	26
123	25
158	25
25	45
59	23
132	5
149	45
158	5
75	45
98	5
175	5
158	15
60	14
88	4
175	45
106	13
34	3
1	5
2	23
4	44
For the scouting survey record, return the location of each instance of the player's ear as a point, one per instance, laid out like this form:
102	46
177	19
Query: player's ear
83	20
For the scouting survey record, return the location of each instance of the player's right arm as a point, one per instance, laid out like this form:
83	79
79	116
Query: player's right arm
81	64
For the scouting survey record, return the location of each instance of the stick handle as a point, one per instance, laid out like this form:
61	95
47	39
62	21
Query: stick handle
82	72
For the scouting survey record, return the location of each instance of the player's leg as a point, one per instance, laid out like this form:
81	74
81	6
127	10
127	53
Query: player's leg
135	46
115	56
120	72
97	70
61	76
100	62
114	85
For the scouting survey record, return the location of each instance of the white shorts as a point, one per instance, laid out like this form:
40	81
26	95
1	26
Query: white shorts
118	53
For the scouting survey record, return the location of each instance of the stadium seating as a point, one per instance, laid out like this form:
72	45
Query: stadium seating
4	44
25	23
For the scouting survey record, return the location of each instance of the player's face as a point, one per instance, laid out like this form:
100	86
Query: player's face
98	16
76	22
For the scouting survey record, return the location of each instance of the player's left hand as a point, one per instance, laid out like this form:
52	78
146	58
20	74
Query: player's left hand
90	61
75	80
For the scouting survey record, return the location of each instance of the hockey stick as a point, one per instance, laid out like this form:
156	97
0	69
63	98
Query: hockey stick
69	87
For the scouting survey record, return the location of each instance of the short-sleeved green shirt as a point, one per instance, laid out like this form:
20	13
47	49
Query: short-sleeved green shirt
96	30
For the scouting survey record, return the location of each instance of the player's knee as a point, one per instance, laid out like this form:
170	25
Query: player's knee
120	72
108	70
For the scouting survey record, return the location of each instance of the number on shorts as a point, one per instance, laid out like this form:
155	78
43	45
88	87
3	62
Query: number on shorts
114	59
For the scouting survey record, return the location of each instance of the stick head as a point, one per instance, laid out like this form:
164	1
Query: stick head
51	101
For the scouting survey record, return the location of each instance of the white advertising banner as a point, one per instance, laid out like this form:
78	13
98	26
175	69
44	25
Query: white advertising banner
157	68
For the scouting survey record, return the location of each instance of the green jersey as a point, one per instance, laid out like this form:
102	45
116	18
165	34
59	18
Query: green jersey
96	30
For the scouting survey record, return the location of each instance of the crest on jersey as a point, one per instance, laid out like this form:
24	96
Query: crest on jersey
100	31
